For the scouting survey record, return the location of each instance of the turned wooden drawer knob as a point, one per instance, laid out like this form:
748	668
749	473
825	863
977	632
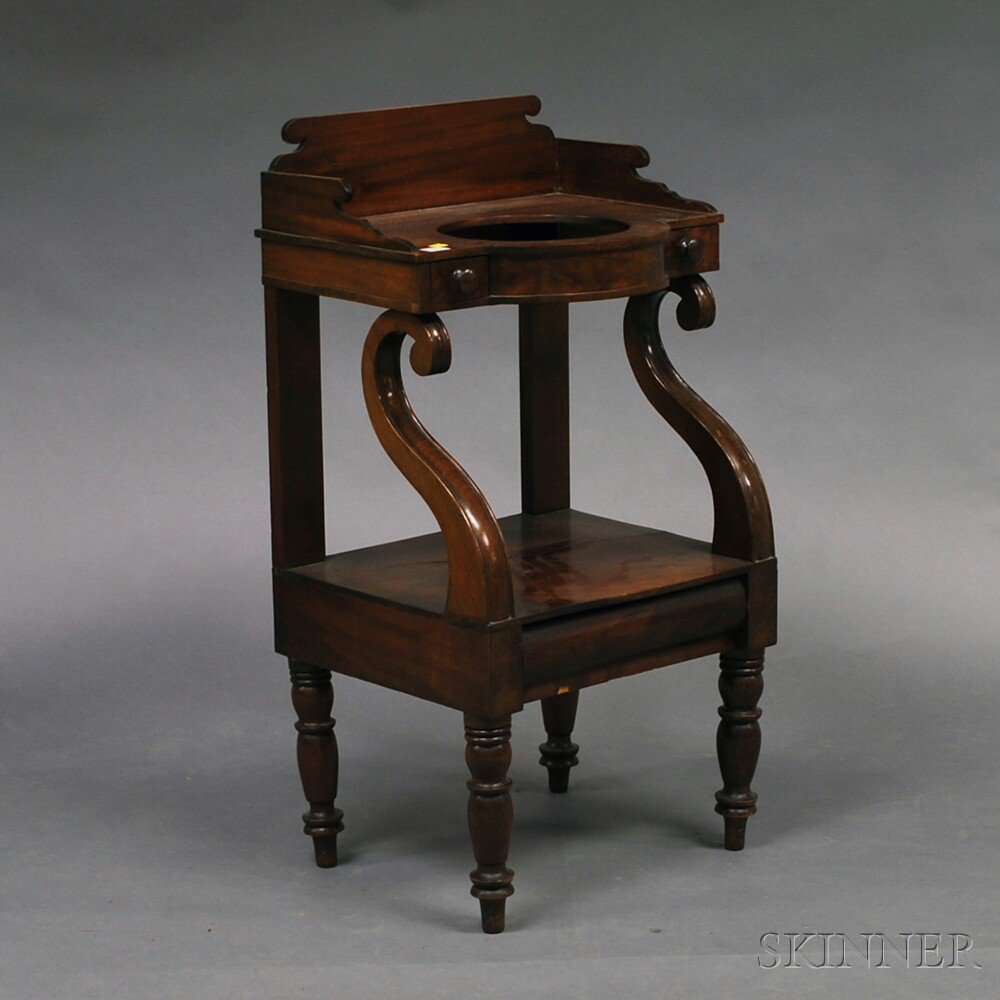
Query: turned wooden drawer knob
464	280
690	249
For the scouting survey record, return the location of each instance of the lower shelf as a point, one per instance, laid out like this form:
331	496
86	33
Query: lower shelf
561	563
595	599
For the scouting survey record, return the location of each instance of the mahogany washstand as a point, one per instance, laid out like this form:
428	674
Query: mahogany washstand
424	209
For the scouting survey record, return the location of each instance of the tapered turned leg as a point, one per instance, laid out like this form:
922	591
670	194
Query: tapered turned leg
738	740
312	696
559	751
491	815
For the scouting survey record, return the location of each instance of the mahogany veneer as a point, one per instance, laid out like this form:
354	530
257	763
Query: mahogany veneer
558	561
425	209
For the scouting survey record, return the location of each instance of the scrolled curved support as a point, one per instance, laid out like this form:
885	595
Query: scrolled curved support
742	513
696	308
479	583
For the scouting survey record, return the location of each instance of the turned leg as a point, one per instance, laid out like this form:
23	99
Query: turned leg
312	696
559	751
491	815
738	740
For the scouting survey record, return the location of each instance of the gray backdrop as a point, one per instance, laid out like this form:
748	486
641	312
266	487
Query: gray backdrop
150	833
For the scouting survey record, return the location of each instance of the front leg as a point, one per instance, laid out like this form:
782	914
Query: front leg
738	740
491	815
312	697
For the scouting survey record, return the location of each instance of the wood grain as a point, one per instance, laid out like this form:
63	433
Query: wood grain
742	512
316	750
435	154
560	562
427	656
295	427
559	752
491	815
543	356
642	224
555	220
564	647
314	206
424	209
738	740
610	170
479	584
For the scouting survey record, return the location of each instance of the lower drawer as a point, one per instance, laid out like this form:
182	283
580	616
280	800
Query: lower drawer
563	647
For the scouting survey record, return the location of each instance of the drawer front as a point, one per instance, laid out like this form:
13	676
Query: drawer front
460	282
692	251
609	274
563	648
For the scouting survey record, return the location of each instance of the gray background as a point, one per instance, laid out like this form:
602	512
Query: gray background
150	835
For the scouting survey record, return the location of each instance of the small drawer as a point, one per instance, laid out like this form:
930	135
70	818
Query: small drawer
461	281
692	251
609	274
589	640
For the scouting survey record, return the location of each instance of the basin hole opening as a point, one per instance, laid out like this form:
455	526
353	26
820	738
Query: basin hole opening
535	229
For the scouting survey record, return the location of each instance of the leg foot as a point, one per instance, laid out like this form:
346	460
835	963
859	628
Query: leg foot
738	740
491	815
312	697
559	752
736	831
325	851
492	913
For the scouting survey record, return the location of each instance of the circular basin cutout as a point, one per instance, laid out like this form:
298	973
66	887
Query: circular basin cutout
534	229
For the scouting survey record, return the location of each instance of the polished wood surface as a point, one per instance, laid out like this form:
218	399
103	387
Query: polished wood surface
559	752
472	669
478	578
491	815
511	213
543	356
312	697
404	158
401	159
570	647
561	562
546	225
616	666
543	363
426	209
738	740
742	512
605	169
295	427
414	247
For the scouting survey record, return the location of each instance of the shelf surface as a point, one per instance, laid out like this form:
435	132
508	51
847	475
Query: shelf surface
560	562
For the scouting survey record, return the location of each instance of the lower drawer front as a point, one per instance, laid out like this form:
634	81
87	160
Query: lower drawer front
567	646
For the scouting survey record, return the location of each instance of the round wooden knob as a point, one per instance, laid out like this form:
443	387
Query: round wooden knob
464	280
691	248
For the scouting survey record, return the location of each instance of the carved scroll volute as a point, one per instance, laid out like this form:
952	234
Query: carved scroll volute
742	513
479	583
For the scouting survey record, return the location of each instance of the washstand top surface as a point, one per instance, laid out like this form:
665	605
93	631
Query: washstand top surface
478	185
